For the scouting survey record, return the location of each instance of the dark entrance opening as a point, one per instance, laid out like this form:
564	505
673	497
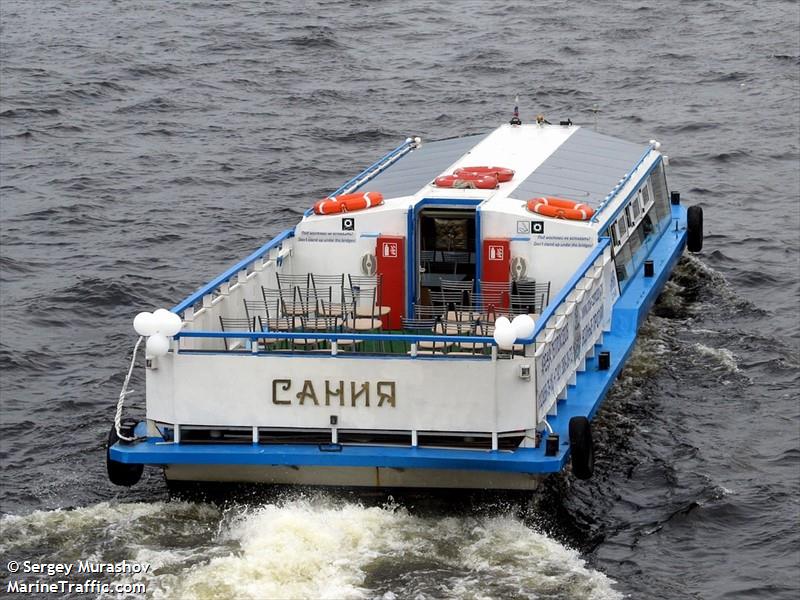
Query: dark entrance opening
446	249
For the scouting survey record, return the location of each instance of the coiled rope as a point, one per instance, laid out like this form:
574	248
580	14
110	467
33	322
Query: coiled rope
125	392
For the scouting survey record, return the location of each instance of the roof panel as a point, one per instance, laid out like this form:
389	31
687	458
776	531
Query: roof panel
586	167
421	166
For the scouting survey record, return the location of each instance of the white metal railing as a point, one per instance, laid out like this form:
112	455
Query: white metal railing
570	328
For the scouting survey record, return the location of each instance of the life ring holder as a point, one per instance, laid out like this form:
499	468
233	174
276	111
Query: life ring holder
502	174
559	208
467	180
347	203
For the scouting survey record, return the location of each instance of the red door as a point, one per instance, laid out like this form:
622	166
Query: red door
496	268
390	252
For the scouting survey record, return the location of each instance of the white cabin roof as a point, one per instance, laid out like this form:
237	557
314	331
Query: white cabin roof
549	160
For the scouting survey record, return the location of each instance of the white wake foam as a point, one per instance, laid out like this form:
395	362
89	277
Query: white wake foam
311	548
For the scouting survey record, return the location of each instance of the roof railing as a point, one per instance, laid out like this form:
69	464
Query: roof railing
374	169
620	184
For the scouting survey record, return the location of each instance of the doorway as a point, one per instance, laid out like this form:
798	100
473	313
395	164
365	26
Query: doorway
446	249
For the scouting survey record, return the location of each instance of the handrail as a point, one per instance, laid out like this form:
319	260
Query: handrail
407	144
242	264
607	200
566	290
376	337
377	166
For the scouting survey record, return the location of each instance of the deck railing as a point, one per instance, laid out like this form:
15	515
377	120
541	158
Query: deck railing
571	325
369	338
236	271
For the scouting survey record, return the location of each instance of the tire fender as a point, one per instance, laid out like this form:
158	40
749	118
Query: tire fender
581	447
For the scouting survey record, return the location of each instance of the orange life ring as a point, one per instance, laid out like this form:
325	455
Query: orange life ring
501	173
467	180
348	203
558	208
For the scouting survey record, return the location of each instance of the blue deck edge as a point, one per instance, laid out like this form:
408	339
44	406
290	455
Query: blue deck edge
583	399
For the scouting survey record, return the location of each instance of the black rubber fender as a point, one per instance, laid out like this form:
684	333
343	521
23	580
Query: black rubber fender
120	473
581	447
694	228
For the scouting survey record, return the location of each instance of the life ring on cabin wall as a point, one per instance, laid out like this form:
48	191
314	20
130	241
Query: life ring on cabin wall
348	203
502	174
558	208
467	180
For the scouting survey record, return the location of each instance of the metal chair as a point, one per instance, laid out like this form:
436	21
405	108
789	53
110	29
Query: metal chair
473	325
295	293
230	324
530	293
497	293
457	257
427	326
362	311
458	292
326	287
291	315
362	286
335	317
258	311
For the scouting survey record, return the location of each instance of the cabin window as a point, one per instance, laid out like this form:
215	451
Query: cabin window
622	258
635	241
645	195
660	195
622	227
647	225
614	236
636	206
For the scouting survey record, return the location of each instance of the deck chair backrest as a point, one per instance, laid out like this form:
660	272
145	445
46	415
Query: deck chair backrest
326	287
366	283
229	324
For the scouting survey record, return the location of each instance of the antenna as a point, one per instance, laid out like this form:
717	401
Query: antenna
515	120
595	110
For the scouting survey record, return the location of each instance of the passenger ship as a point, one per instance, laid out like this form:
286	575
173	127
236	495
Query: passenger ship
451	317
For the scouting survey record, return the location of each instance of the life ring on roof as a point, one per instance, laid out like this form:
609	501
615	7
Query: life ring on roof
502	174
467	180
348	203
558	208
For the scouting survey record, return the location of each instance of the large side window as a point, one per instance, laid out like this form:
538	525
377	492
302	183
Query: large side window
645	195
660	196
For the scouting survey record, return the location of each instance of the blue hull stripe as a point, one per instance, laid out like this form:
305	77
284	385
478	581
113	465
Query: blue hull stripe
583	399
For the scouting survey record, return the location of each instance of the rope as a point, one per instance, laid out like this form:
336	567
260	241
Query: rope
125	392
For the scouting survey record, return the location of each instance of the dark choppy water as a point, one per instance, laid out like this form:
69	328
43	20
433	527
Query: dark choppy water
146	146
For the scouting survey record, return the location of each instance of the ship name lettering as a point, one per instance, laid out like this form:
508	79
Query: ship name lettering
311	393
